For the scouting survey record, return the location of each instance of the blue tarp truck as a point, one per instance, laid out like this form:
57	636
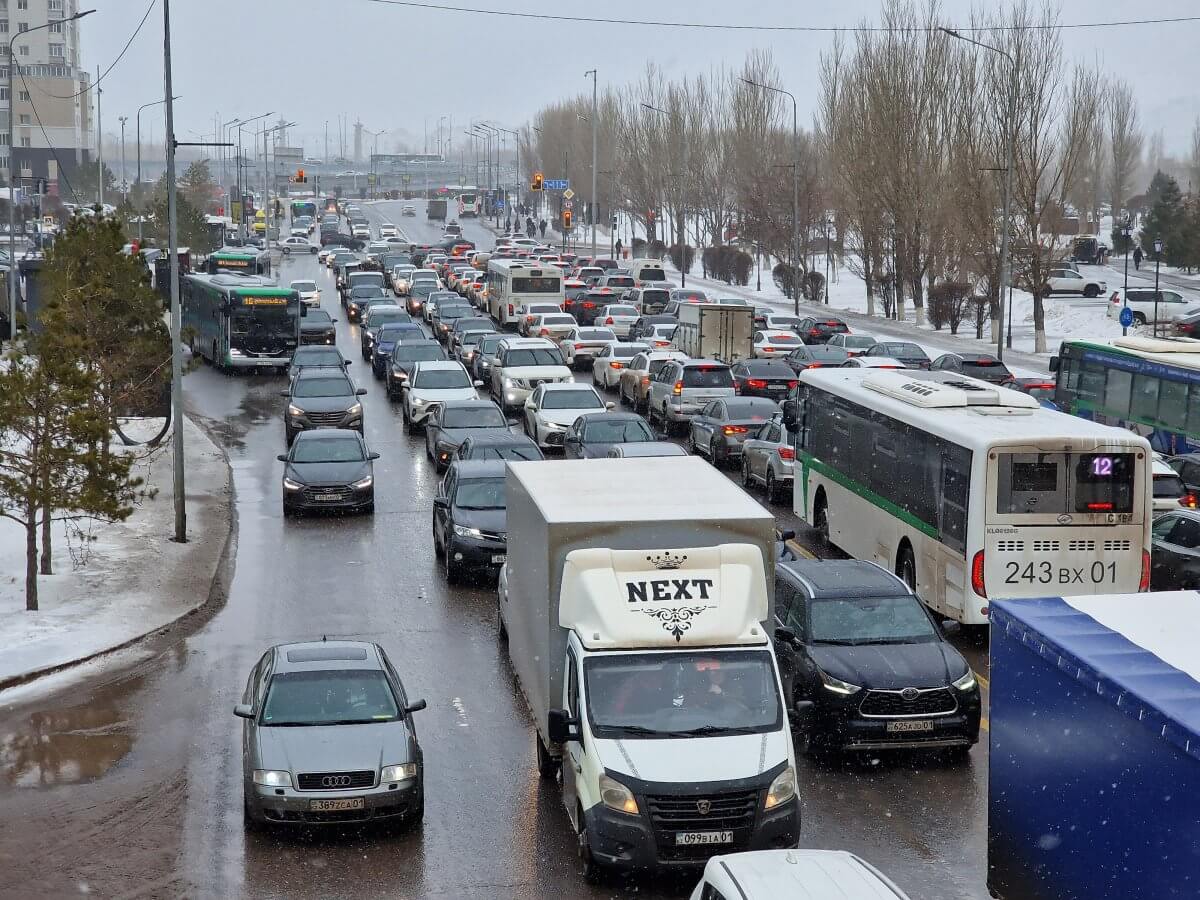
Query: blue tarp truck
1094	783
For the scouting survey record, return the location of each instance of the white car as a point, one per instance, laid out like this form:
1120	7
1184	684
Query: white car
552	408
310	294
853	344
780	322
660	337
1170	493
387	230
619	317
580	345
408	210
402	279
432	383
608	366
772	874
1171	305
298	231
1065	280
873	362
527	312
361	231
775	344
290	245
554	326
521	365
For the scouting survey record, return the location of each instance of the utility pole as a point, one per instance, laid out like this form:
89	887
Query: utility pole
178	484
99	137
124	177
595	166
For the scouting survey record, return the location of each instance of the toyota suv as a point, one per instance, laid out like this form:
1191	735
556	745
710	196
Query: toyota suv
685	386
521	365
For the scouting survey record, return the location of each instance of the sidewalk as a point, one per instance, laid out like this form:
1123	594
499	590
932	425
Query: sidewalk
135	581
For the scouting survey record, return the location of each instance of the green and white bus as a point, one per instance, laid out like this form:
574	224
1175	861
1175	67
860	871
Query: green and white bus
238	260
969	491
240	322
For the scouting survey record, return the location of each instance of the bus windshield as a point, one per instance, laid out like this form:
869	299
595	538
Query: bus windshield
263	329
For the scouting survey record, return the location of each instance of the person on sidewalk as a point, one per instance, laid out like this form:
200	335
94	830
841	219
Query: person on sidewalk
542	227
619	246
1137	257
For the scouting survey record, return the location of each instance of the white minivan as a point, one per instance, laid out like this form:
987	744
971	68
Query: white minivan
647	271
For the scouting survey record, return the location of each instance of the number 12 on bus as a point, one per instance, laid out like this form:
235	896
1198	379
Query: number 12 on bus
969	491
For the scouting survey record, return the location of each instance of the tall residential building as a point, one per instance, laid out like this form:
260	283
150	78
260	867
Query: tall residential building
52	107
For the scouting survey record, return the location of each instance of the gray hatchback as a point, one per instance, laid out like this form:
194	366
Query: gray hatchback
329	739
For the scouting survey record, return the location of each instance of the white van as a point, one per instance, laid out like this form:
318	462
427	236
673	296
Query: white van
647	271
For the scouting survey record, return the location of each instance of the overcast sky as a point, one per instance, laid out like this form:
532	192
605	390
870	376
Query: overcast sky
396	68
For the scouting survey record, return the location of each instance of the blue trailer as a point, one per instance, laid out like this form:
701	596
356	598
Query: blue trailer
1094	784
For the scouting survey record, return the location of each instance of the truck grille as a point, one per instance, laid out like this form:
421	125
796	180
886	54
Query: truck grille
733	811
325	418
334	781
927	702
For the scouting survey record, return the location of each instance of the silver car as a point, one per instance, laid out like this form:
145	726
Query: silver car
328	738
768	458
682	388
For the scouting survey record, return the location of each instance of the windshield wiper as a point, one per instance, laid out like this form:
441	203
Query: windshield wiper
837	642
634	729
714	729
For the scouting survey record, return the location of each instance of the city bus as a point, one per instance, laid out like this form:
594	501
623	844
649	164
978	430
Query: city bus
240	322
304	208
468	204
1150	386
511	283
241	260
968	490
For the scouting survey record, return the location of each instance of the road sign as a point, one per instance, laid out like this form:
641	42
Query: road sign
556	184
499	204
1126	317
568	194
567	204
406	178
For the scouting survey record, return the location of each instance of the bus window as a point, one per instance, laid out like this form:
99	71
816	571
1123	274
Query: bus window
1145	398
1117	392
955	494
1173	405
1091	383
1193	424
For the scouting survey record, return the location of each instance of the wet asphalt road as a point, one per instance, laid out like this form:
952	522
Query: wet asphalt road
128	785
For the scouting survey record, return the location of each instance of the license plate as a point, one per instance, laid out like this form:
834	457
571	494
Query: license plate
911	725
329	497
335	805
498	559
696	838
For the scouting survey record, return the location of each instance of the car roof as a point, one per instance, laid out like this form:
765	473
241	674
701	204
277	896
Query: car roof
500	439
440	364
316	656
615	416
825	874
568	386
525	343
825	578
764	364
320	372
478	468
468	403
317	434
694	363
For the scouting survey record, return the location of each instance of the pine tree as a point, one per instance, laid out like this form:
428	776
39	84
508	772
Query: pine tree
1165	220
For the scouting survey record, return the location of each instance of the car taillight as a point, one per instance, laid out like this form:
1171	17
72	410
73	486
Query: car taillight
755	383
1116	297
645	380
678	388
510	309
768	349
787	453
814	332
734	429
1144	582
529	319
977	582
616	365
578	346
793	383
544	332
587	305
608	321
1188	500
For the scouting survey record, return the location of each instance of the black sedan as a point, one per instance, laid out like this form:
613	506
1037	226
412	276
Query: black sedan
454	421
983	366
815	356
359	298
819	329
590	437
445	316
318	357
331	469
866	664
496	445
317	328
770	378
386	340
404	356
375	318
1175	552
722	425
469	518
902	351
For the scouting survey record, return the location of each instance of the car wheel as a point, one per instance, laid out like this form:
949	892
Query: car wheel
547	765
774	495
1091	290
593	872
716	454
501	628
249	821
1139	318
690	443
438	550
452	570
287	251
747	478
821	517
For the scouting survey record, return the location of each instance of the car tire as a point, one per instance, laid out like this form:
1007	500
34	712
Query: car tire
1139	318
747	478
690	442
547	765
451	569
715	456
249	821
1091	291
501	628
821	517
438	549
287	251
593	872
774	495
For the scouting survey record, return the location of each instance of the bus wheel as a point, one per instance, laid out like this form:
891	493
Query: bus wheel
821	516
906	567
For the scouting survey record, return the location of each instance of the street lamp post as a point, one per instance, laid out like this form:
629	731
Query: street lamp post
267	179
517	180
1125	232
595	123
13	174
1158	249
224	133
124	175
238	181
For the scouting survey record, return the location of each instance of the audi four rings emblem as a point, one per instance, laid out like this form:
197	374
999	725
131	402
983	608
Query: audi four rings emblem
704	807
910	693
334	781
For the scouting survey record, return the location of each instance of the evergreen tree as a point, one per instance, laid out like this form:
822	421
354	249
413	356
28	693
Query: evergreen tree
1165	220
197	186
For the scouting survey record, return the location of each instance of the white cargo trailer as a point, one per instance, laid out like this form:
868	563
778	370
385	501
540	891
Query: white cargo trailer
715	331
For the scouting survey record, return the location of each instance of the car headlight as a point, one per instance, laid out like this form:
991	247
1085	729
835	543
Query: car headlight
236	352
290	485
509	383
782	789
363	483
294	410
355	409
392	774
272	777
464	531
616	796
400	373
966	683
838	686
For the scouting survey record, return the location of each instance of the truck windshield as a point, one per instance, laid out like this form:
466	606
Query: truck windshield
664	695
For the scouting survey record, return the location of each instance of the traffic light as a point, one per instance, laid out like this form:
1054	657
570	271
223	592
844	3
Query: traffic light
566	220
538	182
300	179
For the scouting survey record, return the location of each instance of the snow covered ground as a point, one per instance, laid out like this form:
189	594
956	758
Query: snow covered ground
135	579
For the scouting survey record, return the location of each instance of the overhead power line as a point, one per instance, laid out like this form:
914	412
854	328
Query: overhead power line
120	56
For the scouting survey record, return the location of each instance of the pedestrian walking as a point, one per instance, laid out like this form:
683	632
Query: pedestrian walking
542	227
619	246
508	225
1137	257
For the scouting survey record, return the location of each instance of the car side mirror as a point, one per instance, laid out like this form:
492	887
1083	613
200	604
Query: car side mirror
304	310
802	712
415	707
789	414
785	635
441	502
950	627
282	457
334	321
561	726
373	455
610	405
346	362
361	392
477	383
285	393
244	711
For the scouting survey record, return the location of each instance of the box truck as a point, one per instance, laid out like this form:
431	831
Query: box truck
715	331
1095	747
635	604
436	209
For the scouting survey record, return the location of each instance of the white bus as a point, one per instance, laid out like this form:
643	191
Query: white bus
969	491
511	283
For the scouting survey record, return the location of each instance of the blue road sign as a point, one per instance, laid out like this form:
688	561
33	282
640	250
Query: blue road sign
500	204
557	184
1126	317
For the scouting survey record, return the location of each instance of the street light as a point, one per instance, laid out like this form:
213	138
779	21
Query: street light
240	193
13	273
224	126
124	174
1010	128
795	280
1158	249
681	225
267	179
1125	233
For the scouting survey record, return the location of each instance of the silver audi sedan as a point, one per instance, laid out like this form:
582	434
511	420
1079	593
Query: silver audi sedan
328	738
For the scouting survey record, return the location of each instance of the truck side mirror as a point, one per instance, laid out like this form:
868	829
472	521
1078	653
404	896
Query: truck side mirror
785	636
561	726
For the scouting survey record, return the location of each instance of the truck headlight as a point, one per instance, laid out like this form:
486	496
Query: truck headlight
391	774
363	483
844	688
782	789
272	777
966	683
464	531
290	485
294	410
616	796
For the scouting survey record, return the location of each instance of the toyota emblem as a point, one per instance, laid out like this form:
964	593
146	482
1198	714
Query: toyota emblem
335	781
910	693
704	807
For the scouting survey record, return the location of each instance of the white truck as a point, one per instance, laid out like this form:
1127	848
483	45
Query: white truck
635	604
715	331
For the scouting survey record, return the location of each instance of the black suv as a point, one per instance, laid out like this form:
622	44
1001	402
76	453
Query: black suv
819	329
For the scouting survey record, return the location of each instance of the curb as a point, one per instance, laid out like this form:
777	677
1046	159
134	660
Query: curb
221	576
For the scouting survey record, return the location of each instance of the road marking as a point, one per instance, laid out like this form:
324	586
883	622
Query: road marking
461	708
799	550
982	679
983	723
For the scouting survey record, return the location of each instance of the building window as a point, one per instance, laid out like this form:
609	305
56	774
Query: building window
3	93
4	162
22	4
22	95
55	28
26	142
25	120
5	137
55	6
24	50
56	51
22	27
3	26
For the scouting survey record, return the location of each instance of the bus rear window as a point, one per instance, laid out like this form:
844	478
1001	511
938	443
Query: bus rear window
1058	483
536	285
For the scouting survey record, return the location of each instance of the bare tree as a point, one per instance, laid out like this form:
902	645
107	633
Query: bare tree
1124	144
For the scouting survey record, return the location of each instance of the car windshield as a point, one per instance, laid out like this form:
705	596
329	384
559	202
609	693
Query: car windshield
473	417
366	292
781	339
322	387
516	452
305	286
707	377
585	399
318	317
624	431
533	356
453	312
442	379
1168	486
392	333
558	320
418	353
490	342
985	369
480	493
621	311
664	331
662	695
327	449
858	340
898	350
595	334
625	351
356	697
751	408
869	620
473	323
